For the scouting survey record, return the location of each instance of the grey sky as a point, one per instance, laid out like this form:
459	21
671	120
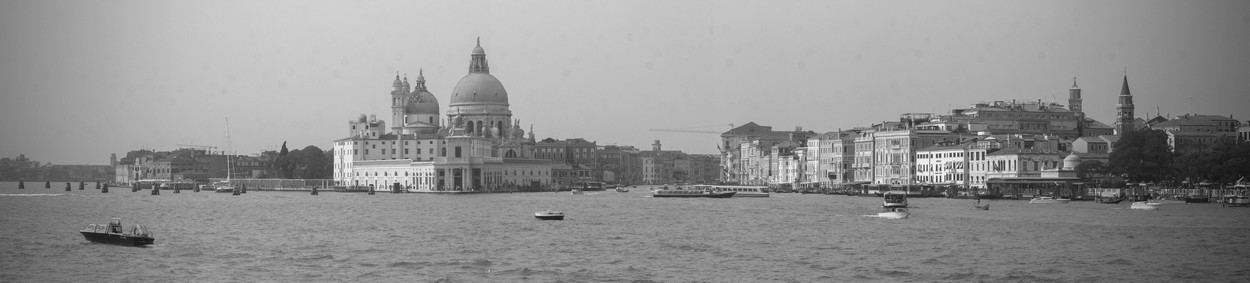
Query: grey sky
82	79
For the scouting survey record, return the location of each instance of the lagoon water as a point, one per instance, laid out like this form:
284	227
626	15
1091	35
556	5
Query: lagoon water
608	237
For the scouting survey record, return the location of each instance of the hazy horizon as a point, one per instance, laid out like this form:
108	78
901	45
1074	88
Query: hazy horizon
84	79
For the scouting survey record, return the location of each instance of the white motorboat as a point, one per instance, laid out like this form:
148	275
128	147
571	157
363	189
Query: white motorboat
1048	200
894	213
1142	205
578	192
549	215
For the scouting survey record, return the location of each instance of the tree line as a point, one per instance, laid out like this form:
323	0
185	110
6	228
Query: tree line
1144	156
308	163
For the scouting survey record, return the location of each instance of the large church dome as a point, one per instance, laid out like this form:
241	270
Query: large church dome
479	87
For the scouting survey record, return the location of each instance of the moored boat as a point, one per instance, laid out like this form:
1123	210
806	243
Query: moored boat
113	233
578	192
739	191
1235	201
894	213
1048	200
549	215
622	190
1110	200
682	193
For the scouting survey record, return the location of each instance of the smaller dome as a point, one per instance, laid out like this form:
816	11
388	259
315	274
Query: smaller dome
422	103
478	49
397	83
1070	162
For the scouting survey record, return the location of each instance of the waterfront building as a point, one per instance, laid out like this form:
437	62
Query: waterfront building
836	151
893	151
1021	162
483	148
620	164
732	153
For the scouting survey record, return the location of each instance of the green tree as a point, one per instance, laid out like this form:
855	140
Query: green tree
284	162
1090	168
1142	156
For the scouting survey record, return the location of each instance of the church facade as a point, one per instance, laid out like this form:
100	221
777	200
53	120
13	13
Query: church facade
482	148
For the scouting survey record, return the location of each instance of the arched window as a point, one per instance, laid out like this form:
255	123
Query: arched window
510	154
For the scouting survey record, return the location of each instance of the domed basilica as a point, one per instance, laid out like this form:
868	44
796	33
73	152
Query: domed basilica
479	147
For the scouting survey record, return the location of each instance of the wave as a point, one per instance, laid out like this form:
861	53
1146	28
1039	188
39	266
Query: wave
33	195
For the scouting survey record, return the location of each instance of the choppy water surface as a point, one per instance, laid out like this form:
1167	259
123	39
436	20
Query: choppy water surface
609	237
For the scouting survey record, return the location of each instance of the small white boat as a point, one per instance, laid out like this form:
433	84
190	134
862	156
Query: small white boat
1145	205
549	215
578	192
1045	200
894	213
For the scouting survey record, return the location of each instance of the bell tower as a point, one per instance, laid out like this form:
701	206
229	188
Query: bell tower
1124	110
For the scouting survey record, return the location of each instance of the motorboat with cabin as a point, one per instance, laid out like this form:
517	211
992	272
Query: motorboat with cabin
894	199
549	215
113	233
690	193
1048	200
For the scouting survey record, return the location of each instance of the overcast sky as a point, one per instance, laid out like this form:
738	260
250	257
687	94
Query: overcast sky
83	79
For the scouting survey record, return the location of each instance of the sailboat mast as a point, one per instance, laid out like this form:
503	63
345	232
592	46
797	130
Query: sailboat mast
229	170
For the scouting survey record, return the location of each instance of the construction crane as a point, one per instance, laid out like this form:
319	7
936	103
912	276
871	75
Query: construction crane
691	130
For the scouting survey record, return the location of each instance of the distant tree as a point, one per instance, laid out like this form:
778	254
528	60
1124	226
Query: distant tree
284	162
313	163
1142	156
1090	168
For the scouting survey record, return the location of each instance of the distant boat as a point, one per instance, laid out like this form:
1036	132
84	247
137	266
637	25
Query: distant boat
622	190
894	213
1110	200
578	192
226	186
1235	201
680	193
1049	200
980	206
113	233
549	215
740	191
